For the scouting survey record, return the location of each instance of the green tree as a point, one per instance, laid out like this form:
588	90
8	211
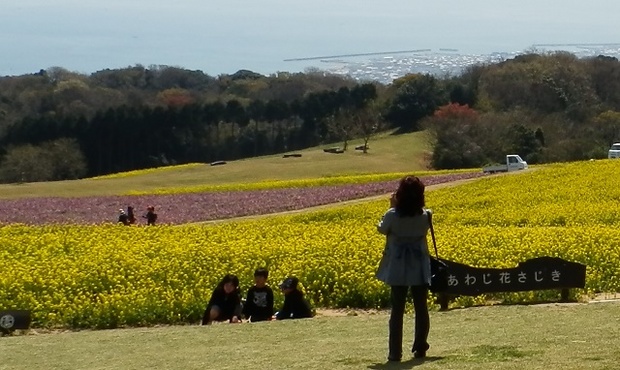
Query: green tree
415	97
604	74
25	163
56	160
553	83
524	141
68	162
606	127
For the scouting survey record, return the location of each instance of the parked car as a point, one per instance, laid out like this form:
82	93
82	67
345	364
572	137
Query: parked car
614	151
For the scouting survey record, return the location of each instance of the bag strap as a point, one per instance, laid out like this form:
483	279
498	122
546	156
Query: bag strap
430	222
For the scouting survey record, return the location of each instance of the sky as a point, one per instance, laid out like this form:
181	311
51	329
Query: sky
219	36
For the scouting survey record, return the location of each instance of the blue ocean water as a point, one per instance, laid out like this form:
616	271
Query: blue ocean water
223	36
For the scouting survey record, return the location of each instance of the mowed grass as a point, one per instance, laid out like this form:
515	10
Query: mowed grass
550	336
388	153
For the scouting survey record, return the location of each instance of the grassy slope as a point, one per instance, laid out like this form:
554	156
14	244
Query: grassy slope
387	153
570	336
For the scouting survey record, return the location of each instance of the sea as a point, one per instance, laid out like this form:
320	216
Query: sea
379	40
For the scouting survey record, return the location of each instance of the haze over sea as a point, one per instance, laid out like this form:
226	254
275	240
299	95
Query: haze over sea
223	36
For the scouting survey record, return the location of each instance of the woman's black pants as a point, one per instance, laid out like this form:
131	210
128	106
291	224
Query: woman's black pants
422	321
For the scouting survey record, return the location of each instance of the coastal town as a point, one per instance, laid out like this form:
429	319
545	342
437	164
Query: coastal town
384	67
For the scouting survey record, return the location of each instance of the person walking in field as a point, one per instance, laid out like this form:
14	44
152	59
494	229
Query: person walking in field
405	265
151	216
131	217
122	217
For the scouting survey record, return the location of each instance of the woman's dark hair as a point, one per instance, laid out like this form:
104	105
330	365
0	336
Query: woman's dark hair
410	197
229	279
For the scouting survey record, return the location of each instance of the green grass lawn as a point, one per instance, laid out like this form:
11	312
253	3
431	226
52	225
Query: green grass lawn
550	336
388	153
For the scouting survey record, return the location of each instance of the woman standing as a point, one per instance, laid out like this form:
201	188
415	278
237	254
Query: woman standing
406	263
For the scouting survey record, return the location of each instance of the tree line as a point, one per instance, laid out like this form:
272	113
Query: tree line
124	138
57	124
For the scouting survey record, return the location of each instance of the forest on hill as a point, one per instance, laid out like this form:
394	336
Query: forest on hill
57	124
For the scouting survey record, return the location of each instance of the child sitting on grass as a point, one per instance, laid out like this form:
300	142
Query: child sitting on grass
295	305
259	302
225	302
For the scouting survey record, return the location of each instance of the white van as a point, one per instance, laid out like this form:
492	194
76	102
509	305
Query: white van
614	151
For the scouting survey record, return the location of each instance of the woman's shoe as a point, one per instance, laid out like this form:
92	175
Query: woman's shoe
420	351
394	358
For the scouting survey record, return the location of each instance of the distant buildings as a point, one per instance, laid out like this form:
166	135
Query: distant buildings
385	69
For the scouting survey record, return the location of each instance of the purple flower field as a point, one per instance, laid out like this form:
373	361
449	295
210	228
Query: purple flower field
194	207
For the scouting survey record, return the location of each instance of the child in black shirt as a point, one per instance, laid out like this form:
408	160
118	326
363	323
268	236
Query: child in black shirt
225	302
259	302
295	305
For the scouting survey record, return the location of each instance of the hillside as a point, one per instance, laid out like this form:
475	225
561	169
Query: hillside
388	153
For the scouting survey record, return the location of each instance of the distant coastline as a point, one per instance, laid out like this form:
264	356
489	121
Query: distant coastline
444	60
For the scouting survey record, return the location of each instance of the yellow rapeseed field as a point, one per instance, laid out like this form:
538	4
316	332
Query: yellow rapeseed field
110	276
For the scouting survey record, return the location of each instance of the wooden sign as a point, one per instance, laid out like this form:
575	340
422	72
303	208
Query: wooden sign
535	274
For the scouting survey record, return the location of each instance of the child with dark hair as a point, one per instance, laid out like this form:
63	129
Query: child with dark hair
225	302
259	302
295	305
